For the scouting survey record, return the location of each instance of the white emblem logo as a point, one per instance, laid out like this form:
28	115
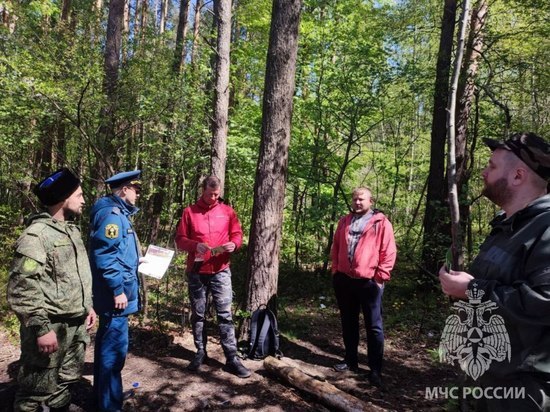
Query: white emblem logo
474	337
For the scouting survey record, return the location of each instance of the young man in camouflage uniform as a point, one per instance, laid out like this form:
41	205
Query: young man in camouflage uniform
50	290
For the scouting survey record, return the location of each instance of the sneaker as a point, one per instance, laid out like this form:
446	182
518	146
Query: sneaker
375	379
344	367
235	367
197	361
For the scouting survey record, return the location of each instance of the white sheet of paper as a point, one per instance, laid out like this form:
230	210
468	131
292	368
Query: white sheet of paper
157	261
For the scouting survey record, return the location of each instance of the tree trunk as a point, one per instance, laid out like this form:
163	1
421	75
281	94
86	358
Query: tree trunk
271	172
163	15
466	91
126	27
435	224
465	97
65	11
456	234
107	132
221	92
61	146
140	20
179	53
112	47
4	15
196	26
95	29
125	32
45	154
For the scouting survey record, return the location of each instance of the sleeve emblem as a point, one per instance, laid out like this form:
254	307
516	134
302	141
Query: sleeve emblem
30	265
111	231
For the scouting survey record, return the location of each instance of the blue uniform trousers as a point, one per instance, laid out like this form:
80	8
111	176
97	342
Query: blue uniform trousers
355	296
111	348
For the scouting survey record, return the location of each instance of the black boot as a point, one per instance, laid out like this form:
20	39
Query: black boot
197	361
375	379
235	367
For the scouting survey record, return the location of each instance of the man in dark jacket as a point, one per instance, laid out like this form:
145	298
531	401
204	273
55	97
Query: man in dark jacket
50	290
114	257
510	280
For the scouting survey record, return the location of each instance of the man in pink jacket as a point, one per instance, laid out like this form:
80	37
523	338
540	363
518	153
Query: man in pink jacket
209	232
363	254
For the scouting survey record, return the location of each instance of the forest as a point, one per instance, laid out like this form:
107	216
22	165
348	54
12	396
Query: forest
292	103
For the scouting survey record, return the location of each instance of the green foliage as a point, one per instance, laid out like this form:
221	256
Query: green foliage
414	306
10	325
435	354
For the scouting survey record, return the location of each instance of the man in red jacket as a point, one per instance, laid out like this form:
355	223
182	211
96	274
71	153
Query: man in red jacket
363	254
209	231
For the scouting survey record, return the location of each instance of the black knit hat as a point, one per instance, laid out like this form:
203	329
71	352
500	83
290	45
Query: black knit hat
56	187
532	149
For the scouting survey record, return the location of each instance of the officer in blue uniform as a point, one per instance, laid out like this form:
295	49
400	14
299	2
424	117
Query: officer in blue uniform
114	258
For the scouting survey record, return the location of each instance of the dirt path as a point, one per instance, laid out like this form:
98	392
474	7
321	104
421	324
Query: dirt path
157	364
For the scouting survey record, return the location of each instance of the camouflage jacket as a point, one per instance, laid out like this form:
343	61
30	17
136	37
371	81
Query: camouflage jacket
50	275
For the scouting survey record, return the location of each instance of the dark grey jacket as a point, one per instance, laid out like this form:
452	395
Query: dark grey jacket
513	268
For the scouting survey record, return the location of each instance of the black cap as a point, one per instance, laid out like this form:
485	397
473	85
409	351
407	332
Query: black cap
532	149
56	187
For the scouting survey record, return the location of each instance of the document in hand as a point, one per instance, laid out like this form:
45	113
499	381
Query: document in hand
156	261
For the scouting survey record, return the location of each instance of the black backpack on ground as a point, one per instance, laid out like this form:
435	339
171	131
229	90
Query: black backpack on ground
264	334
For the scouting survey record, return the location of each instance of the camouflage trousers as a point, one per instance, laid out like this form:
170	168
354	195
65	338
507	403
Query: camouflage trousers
219	285
45	379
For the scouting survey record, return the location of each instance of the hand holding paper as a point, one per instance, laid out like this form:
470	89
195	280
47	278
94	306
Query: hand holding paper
156	261
217	250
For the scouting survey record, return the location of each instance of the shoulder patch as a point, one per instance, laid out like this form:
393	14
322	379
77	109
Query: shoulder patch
29	265
111	231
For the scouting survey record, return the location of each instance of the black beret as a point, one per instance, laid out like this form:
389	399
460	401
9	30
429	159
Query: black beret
56	187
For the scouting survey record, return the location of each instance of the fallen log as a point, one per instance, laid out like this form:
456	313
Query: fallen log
306	368
328	394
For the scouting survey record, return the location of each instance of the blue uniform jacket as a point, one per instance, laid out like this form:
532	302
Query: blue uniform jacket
114	256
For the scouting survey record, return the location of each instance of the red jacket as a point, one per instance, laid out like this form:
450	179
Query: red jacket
214	225
375	253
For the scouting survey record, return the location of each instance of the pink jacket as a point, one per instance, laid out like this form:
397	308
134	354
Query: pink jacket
213	225
375	253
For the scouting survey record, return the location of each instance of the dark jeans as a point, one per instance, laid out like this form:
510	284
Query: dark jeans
219	285
353	296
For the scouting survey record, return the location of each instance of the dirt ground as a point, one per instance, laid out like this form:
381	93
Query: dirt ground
156	365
